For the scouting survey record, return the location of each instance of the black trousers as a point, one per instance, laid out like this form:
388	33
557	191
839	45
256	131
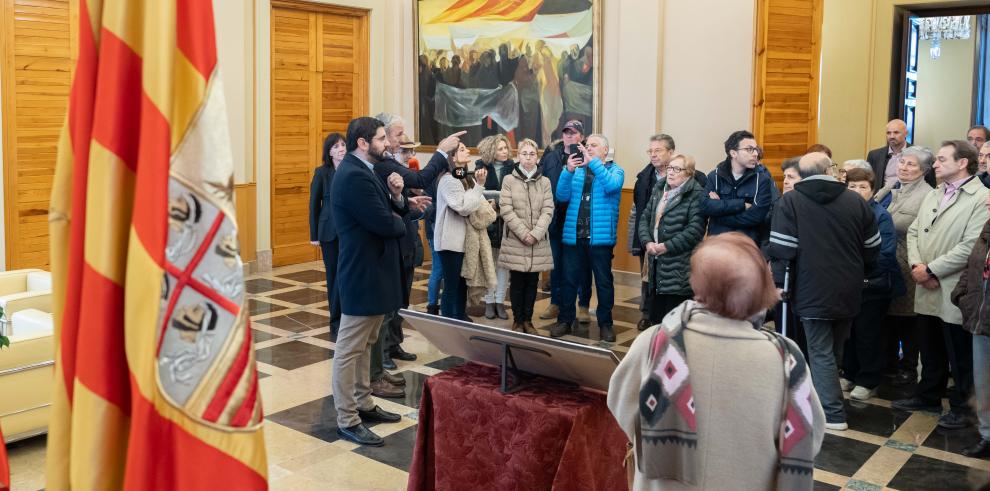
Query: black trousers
795	330
862	362
660	304
945	347
331	250
522	294
391	333
644	290
901	333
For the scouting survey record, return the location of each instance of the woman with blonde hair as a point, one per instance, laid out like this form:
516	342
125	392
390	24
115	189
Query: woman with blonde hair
670	227
526	204
495	159
458	196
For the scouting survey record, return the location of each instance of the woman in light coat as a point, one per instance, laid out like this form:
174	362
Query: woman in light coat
526	207
902	200
687	397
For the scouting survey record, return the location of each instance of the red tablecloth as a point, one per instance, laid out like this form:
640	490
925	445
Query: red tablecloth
547	436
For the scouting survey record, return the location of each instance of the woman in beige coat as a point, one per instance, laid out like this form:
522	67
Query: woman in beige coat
688	395
902	200
526	205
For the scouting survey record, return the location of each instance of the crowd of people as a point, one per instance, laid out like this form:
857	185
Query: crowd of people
876	267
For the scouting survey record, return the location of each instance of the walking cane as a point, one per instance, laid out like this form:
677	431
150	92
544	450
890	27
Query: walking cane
784	295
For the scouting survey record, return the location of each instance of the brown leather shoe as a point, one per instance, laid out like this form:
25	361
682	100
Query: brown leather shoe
529	328
381	388
394	379
518	327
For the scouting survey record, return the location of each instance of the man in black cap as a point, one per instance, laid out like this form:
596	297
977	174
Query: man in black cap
553	162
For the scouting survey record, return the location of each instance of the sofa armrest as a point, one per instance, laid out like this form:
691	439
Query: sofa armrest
14	281
26	300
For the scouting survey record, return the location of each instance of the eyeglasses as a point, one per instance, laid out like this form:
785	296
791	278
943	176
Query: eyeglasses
675	170
527	154
656	151
750	149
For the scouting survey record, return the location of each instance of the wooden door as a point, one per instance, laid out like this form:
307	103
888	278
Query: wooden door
36	72
788	57
319	83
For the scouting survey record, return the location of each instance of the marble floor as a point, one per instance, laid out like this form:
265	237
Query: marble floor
883	449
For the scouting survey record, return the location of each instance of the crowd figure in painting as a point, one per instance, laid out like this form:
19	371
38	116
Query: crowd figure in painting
882	263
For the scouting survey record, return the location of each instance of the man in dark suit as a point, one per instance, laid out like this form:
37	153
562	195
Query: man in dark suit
885	160
368	215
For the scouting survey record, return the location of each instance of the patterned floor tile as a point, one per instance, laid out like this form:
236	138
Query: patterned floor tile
926	473
297	321
292	355
262	285
306	276
397	451
304	296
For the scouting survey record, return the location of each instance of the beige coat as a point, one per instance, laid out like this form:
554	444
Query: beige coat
903	208
738	385
942	239
527	207
478	269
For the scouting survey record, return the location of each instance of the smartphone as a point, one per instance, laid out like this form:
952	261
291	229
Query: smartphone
572	149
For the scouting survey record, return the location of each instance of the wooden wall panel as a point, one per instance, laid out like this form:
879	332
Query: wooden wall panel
36	69
319	83
246	206
786	77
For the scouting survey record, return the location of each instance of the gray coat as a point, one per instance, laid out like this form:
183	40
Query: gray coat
903	209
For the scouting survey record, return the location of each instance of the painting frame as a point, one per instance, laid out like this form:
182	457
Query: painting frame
597	70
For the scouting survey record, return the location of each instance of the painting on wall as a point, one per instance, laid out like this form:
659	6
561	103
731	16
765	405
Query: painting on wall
521	68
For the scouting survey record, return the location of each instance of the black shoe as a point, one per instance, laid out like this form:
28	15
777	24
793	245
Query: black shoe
643	324
559	329
953	420
361	435
606	334
433	309
400	354
979	451
389	364
905	377
378	415
915	404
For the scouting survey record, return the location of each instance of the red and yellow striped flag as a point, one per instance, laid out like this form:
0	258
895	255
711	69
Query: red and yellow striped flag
156	385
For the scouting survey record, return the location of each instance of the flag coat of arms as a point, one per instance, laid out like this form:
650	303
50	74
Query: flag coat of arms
156	386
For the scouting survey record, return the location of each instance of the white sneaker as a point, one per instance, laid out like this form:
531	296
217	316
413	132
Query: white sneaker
843	426
862	393
845	384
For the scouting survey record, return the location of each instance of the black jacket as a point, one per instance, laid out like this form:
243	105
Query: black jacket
645	182
553	162
493	182
416	179
729	212
830	236
369	225
878	158
321	227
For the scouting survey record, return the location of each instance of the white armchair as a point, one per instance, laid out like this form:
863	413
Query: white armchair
26	375
25	289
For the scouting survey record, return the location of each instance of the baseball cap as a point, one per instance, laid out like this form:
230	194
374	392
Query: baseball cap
575	125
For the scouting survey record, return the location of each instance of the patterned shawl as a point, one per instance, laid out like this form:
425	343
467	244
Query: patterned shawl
668	430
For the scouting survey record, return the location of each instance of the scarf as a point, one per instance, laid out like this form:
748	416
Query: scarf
668	429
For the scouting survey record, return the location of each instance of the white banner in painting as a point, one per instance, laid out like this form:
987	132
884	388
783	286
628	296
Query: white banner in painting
460	108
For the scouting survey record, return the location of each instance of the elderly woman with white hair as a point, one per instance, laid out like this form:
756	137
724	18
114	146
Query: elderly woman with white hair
903	199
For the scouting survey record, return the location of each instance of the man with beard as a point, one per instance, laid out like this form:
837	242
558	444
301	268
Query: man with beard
368	215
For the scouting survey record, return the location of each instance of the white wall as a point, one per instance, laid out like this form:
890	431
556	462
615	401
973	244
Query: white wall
236	60
707	77
945	92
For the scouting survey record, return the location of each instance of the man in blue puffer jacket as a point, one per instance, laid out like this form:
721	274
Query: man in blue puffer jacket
592	189
740	190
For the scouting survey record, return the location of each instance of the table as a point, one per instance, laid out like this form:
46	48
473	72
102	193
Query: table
549	435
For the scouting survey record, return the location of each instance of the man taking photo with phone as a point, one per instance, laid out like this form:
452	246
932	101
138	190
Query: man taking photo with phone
555	160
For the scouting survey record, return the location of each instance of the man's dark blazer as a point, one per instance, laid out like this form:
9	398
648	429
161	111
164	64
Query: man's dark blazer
321	226
369	228
878	158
